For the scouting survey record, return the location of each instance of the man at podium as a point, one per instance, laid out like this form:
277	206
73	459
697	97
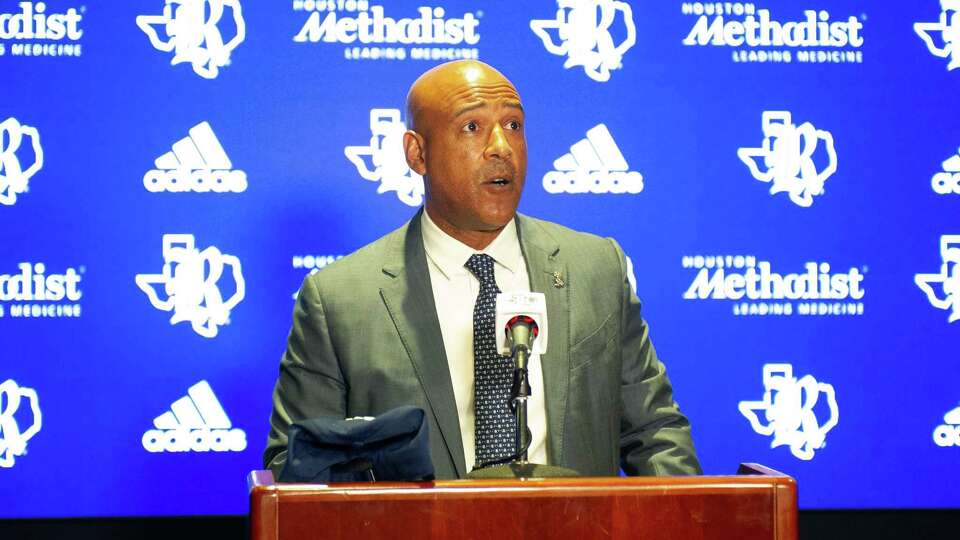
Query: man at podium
409	319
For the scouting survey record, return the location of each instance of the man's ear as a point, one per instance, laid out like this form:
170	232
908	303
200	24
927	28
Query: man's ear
415	152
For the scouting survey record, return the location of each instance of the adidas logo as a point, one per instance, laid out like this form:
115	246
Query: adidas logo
197	163
594	165
195	423
948	180
948	434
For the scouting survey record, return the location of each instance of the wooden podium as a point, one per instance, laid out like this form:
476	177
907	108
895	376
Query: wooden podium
757	503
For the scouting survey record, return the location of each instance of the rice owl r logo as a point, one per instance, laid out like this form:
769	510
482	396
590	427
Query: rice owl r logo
190	281
787	155
948	433
948	278
13	441
193	33
196	163
584	31
788	409
594	164
195	423
15	140
383	159
948	28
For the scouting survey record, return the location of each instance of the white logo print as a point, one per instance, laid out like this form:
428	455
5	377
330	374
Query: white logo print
948	180
385	154
949	29
594	165
193	34
787	153
757	290
13	442
787	407
583	27
948	278
756	35
314	263
373	34
195	423
190	280
13	177
948	433
196	163
35	31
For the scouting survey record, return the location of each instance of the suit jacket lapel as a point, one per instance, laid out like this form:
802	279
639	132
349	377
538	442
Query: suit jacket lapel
544	265
408	297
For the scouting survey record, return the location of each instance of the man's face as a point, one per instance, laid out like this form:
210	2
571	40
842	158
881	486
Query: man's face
474	151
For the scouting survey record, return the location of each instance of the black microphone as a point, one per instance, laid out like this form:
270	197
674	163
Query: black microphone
521	331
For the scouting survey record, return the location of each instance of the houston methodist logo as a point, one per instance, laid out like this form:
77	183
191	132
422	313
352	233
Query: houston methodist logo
947	281
593	165
195	423
191	284
755	289
39	31
948	433
948	28
756	35
197	163
947	181
372	33
193	33
785	158
788	411
13	440
383	159
16	138
583	29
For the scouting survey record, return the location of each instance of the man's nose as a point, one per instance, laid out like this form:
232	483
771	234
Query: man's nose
497	144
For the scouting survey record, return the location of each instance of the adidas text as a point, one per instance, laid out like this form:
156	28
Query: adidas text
946	183
593	182
200	181
946	435
196	440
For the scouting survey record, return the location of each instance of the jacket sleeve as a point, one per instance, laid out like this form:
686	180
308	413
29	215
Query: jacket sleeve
654	435
310	383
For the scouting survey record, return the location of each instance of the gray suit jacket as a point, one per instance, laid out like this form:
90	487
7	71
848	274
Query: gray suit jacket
366	339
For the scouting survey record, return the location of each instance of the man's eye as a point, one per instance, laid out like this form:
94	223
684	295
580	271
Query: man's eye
513	124
471	126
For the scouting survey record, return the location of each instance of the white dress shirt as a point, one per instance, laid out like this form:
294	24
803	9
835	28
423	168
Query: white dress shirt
455	291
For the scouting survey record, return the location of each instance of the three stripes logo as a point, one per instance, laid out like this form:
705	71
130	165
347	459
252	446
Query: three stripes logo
195	423
196	163
594	165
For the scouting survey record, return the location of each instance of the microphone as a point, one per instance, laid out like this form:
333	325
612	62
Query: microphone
521	331
523	318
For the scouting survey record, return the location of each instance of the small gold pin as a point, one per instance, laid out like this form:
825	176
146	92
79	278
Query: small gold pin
558	280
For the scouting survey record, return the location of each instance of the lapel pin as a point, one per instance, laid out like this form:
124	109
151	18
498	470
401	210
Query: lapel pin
558	280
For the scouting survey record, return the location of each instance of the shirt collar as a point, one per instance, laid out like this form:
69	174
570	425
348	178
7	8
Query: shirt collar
450	255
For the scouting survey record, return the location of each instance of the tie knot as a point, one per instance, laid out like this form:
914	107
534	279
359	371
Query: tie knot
481	265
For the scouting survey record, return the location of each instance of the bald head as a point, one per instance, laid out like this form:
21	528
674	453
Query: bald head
433	91
466	138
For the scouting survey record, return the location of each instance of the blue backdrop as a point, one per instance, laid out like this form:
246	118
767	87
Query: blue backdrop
782	175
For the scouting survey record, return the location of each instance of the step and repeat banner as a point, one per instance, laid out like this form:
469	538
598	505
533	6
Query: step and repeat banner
784	177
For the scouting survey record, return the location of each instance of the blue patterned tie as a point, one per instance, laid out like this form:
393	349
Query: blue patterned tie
493	374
